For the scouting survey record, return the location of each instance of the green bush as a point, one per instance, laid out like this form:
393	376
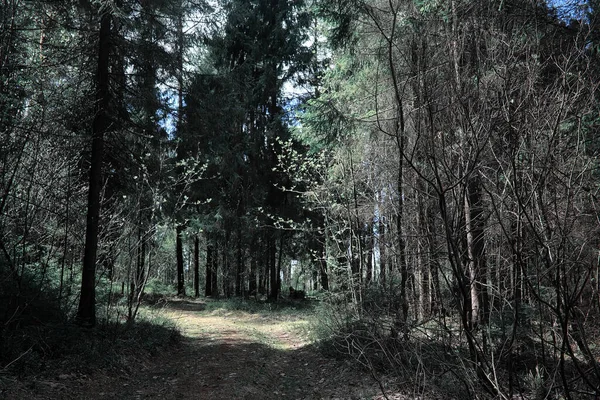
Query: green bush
281	307
156	286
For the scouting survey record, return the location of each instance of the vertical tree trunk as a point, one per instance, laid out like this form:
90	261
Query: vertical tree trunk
196	265
264	265
139	279
323	265
471	267
279	261
227	283
179	251
215	270
400	139
356	234
180	227
382	248
208	283
273	293
436	295
424	259
141	270
66	235
262	279
239	273
403	265
252	277
86	313
369	245
477	266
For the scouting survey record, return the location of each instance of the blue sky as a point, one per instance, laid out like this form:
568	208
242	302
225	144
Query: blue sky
568	9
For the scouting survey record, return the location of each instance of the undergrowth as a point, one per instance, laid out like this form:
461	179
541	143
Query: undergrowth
63	346
281	308
431	356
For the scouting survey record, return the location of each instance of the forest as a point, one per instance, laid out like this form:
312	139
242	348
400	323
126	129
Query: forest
422	176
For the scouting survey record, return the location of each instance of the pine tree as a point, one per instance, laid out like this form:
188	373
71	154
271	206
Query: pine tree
86	314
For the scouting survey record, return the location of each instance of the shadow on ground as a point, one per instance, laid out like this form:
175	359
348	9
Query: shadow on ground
201	368
237	369
235	355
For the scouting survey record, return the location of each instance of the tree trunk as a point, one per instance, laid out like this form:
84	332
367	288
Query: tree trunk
279	261
402	263
226	266
273	293
436	294
323	265
141	268
382	253
208	283
477	266
196	265
215	269
262	281
239	275
369	245
139	278
264	266
86	313
423	258
252	278
179	251
179	187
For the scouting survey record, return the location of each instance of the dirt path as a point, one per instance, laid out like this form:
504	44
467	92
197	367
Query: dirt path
229	355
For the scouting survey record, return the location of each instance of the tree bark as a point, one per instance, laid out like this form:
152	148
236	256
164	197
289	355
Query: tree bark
279	261
252	278
323	265
239	275
208	284
179	251
86	313
273	293
382	252
477	267
180	227
227	283
423	257
369	246
196	265
263	270
214	283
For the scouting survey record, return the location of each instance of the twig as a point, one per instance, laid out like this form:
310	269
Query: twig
372	371
16	359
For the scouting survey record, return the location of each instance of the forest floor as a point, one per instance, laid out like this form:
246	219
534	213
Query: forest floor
224	354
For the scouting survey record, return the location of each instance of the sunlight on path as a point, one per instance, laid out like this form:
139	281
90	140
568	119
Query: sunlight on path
239	327
232	355
239	355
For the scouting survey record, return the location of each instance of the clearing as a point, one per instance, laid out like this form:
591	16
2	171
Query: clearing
223	355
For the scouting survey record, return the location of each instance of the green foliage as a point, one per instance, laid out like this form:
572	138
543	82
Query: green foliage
281	309
157	287
342	16
345	109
